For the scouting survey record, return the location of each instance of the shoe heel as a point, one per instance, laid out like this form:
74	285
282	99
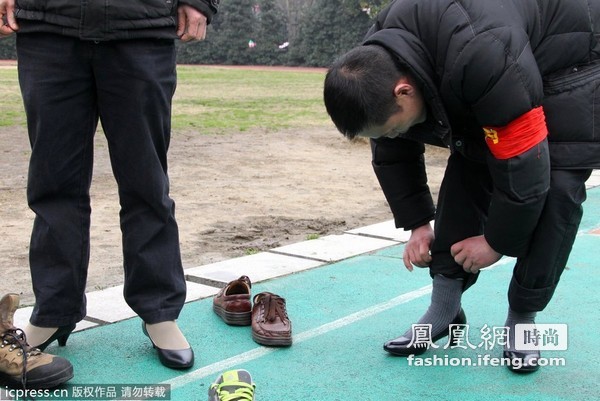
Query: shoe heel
62	340
454	336
61	335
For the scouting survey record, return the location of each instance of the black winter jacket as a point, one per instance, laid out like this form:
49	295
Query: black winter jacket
484	63
106	20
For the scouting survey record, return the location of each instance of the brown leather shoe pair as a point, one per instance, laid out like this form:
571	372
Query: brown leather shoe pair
268	317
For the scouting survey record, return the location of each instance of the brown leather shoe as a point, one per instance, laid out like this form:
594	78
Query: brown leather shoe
270	322
232	303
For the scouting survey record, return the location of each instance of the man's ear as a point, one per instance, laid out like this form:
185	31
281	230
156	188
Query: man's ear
403	88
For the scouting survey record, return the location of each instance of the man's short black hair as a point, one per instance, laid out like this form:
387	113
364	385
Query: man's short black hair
359	89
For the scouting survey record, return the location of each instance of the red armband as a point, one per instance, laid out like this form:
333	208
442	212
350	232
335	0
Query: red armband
518	136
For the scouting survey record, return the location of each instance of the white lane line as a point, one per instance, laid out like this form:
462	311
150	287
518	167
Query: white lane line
256	353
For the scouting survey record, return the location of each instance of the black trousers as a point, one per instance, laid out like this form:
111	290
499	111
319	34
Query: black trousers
67	86
461	213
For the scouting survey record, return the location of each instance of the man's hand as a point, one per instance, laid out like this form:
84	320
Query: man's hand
417	248
191	23
8	22
474	254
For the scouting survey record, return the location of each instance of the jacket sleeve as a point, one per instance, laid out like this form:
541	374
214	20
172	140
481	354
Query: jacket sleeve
501	82
400	168
207	7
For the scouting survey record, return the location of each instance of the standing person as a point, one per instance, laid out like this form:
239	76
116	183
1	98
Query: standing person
81	62
509	87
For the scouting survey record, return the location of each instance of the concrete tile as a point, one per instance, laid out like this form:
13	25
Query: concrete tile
22	316
85	324
110	306
335	247
386	230
197	291
259	267
594	180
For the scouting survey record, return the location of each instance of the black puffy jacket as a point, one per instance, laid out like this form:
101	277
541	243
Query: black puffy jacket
484	63
106	20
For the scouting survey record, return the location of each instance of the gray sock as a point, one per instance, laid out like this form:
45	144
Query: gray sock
513	319
445	305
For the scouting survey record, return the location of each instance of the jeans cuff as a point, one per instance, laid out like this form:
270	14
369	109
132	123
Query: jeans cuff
524	300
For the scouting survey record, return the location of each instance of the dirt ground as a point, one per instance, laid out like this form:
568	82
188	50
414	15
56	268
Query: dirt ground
235	193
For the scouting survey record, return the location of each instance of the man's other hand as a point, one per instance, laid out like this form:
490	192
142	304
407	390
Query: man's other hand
417	250
474	254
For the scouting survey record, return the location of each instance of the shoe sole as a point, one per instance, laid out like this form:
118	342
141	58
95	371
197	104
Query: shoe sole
405	351
233	318
47	382
272	342
523	371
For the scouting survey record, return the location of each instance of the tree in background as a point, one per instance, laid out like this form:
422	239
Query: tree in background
294	10
270	34
8	50
243	32
328	29
235	32
373	7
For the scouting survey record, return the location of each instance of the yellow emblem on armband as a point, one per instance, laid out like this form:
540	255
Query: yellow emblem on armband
491	134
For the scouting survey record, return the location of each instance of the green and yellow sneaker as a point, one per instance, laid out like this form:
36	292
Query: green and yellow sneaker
233	385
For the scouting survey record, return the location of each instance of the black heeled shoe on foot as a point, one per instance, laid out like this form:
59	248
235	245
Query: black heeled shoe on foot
522	361
403	346
172	358
61	335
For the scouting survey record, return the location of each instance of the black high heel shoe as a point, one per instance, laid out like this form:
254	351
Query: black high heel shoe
403	346
61	335
172	358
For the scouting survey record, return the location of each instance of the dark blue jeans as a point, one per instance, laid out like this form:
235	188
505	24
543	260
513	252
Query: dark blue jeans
462	212
68	85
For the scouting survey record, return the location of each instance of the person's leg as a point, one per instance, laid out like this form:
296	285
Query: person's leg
136	81
461	213
536	276
59	100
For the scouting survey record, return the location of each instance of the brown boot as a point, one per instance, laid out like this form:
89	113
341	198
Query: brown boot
22	365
